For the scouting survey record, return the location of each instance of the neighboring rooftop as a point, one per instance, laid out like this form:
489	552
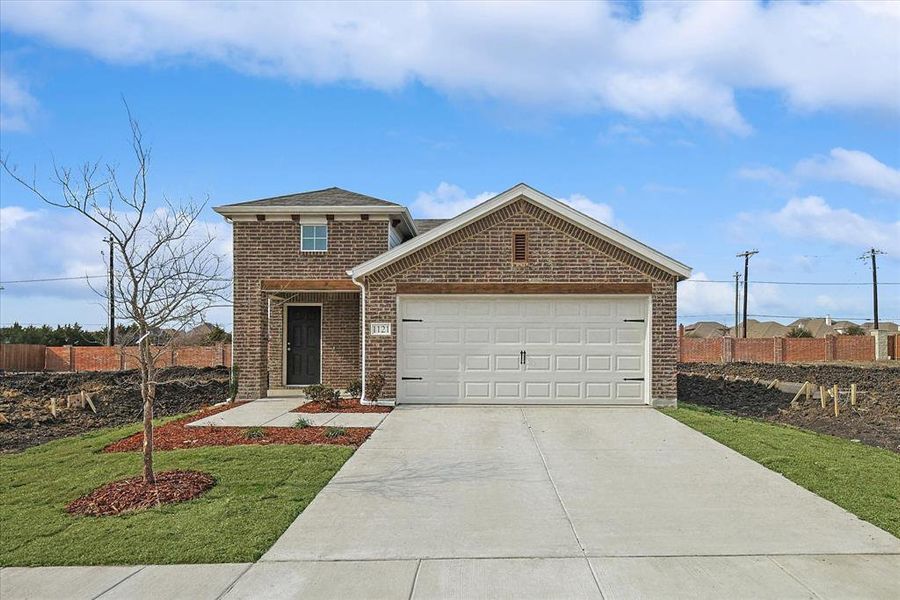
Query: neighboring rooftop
705	329
332	196
423	225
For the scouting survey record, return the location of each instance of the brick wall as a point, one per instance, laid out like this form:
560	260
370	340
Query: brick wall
558	252
116	358
271	250
774	350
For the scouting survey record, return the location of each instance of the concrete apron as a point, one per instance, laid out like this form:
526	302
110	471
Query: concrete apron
538	502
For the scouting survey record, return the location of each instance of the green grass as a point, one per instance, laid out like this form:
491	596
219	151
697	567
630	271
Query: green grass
862	479
259	492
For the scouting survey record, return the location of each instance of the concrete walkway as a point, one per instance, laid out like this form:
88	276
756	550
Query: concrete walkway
491	502
276	412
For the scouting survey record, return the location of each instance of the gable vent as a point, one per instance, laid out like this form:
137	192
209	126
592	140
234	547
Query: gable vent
520	247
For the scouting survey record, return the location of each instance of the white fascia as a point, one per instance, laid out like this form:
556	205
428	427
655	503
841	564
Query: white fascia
249	212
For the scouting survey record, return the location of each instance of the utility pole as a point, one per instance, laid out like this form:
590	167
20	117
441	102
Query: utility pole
111	334
747	254
737	286
870	255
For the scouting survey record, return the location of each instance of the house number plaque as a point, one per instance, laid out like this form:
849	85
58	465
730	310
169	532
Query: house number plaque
380	329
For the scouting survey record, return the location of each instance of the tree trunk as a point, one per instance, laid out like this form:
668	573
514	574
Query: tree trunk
148	394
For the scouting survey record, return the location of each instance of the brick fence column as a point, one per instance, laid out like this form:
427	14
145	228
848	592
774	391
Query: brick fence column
830	347
727	349
778	350
71	357
681	343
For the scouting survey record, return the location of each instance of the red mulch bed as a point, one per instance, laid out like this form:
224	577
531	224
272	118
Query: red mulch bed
132	494
178	436
347	405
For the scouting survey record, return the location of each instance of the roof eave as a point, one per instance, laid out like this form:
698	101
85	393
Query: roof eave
229	211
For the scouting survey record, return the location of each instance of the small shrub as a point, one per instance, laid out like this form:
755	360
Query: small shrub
301	423
374	385
354	388
854	330
799	332
324	395
334	432
254	433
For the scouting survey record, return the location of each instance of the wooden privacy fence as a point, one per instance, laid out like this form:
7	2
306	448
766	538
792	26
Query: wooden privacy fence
36	357
780	349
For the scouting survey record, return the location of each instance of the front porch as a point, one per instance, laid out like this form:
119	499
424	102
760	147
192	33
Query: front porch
311	335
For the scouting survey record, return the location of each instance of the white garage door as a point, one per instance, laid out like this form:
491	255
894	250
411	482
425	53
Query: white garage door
522	349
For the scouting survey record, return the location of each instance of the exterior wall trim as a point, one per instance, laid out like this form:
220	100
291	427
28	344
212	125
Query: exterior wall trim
525	289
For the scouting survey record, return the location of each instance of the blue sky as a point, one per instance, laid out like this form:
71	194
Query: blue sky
700	129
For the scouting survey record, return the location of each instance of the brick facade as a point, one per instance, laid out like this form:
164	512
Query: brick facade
270	249
559	252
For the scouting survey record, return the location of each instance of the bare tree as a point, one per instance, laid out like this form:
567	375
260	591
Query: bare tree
166	274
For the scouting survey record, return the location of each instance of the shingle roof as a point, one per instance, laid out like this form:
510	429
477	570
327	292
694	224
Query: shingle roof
423	225
332	196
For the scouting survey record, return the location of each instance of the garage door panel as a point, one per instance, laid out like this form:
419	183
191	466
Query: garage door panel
507	362
577	349
508	335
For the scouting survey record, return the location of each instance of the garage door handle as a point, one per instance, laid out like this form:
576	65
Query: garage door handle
633	320
522	357
632	379
411	320
411	379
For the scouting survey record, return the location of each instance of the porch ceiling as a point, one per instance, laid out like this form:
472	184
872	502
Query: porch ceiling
308	285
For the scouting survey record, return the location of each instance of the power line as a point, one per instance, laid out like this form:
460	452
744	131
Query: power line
791	282
781	317
50	279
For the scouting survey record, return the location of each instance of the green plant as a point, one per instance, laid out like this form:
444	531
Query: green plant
799	332
354	388
334	432
301	423
328	397
254	433
854	330
374	385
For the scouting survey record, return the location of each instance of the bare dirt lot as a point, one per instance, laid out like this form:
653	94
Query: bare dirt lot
875	420
25	401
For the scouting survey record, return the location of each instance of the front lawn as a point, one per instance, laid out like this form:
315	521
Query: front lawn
861	479
259	492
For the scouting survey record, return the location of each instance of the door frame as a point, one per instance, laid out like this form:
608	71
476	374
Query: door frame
648	329
284	324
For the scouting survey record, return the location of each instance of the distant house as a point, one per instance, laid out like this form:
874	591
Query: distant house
761	329
705	329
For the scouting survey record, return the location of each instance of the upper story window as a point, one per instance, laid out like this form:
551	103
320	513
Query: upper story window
314	238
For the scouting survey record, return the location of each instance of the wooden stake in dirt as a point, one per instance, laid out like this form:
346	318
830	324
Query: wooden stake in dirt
809	391
799	392
835	395
772	384
852	394
53	407
90	402
822	394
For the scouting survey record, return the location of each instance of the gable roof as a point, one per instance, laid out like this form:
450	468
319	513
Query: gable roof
552	205
333	196
424	225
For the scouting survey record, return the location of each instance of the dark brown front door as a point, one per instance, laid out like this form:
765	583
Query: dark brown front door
304	337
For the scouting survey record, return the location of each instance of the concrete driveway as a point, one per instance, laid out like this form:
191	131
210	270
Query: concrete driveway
491	502
567	502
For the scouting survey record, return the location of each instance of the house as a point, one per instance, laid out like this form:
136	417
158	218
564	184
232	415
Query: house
521	299
760	329
705	329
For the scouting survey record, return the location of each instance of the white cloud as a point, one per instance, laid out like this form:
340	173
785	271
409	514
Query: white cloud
711	298
852	166
675	60
17	105
449	200
446	201
11	216
814	219
849	166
